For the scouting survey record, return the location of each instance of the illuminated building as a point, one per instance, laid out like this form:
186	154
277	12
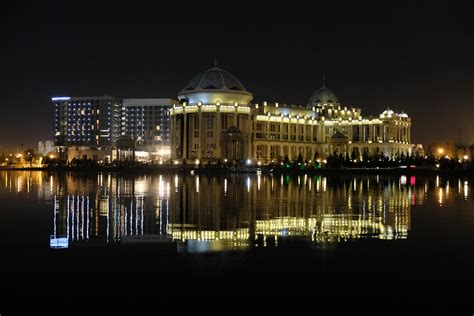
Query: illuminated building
91	127
216	120
146	122
86	127
45	147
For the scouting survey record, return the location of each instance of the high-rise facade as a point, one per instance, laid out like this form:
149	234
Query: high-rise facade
147	123
92	127
92	122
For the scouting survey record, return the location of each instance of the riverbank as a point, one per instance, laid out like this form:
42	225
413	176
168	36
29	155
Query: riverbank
191	169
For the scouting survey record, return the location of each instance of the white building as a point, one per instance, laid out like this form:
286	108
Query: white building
46	147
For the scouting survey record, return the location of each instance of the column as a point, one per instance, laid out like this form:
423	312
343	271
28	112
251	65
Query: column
185	134
248	133
218	151
202	138
173	136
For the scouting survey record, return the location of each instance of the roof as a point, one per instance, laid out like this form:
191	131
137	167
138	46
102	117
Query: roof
214	79
322	96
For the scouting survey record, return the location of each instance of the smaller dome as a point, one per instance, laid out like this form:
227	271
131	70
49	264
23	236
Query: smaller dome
322	96
387	112
403	114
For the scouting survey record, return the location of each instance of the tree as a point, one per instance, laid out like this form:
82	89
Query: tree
286	162
353	155
29	155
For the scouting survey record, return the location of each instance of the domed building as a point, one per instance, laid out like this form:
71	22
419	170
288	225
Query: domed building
214	86
323	96
213	120
217	121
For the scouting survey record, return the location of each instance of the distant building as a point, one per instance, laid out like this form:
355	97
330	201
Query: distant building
46	147
418	150
216	120
94	127
147	123
86	127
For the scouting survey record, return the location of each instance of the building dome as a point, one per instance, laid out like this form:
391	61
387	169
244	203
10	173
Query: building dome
215	85
214	79
387	113
322	96
403	114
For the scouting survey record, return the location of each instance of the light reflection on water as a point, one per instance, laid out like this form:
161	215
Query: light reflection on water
216	213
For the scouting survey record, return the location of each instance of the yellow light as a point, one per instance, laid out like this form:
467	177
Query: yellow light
440	151
51	156
466	157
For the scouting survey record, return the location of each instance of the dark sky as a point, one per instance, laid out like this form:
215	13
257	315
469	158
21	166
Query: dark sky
415	56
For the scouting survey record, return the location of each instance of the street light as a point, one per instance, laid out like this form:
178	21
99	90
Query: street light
440	151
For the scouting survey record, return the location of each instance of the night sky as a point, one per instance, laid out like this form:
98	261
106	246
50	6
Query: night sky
416	57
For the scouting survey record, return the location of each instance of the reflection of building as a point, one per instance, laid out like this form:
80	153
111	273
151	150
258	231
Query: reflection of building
242	211
216	121
270	209
147	124
217	213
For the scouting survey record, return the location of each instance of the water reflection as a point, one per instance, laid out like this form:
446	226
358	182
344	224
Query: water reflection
214	213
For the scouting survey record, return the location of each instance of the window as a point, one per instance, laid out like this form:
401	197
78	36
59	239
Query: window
224	121
196	121
210	126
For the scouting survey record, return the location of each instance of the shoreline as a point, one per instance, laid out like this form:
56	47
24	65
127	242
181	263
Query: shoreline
170	169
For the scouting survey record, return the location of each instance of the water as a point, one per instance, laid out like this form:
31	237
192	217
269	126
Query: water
69	232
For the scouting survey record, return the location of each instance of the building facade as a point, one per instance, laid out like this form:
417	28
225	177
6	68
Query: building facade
147	123
96	128
46	147
86	127
216	120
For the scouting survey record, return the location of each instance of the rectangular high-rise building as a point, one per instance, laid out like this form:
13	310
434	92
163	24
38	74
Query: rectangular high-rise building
147	123
92	122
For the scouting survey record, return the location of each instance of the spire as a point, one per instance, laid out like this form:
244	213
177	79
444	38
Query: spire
324	81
